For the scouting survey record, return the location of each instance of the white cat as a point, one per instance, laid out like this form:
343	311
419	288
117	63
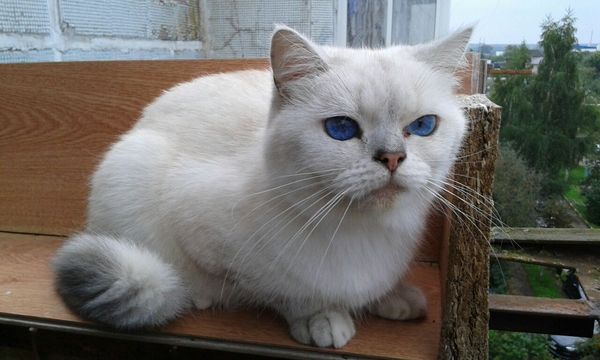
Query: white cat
304	189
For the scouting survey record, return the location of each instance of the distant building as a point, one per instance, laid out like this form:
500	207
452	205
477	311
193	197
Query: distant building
536	58
587	48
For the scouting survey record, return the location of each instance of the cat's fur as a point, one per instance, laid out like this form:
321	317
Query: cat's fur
205	201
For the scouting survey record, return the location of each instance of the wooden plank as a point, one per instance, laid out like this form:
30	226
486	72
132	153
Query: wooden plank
58	118
26	292
542	315
499	72
555	236
542	306
465	254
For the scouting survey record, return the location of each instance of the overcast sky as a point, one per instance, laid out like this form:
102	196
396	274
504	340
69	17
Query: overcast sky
512	21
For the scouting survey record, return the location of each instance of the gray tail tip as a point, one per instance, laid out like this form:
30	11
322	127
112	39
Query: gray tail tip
117	283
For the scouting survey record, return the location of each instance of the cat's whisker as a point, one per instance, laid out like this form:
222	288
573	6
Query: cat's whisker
455	210
309	173
329	244
318	211
270	200
464	190
470	204
488	148
461	219
257	231
281	228
281	186
488	202
323	212
456	159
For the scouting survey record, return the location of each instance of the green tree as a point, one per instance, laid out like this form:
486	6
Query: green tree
516	189
517	346
548	122
591	189
511	92
590	76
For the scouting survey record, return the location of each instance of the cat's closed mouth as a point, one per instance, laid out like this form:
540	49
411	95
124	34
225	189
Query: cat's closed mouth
388	191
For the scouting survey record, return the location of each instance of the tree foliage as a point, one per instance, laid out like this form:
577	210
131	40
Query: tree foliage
512	92
517	346
591	190
590	349
545	115
590	76
516	189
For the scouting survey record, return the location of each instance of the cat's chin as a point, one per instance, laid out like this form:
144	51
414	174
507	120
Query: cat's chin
383	197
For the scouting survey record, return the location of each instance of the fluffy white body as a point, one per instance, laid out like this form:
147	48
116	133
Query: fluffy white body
229	192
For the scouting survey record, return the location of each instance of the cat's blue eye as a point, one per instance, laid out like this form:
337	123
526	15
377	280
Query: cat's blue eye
423	126
341	128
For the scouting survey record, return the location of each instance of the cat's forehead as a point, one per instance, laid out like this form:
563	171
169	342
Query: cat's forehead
385	84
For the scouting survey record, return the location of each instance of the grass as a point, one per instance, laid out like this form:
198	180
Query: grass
577	175
573	193
575	197
543	281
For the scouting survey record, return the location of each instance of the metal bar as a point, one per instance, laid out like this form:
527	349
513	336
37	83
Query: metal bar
341	23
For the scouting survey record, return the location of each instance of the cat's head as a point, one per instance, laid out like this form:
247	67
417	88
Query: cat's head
369	123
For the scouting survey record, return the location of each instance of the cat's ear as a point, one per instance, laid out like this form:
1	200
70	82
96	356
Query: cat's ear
293	57
445	54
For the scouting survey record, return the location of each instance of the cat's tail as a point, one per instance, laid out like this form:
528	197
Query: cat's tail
118	283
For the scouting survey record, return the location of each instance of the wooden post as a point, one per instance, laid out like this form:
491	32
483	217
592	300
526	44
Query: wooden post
466	250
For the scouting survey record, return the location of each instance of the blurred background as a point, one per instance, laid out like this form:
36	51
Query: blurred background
75	30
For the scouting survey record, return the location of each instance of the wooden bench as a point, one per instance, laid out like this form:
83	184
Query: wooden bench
57	119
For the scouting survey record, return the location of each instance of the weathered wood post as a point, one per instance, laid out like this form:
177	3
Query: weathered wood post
465	259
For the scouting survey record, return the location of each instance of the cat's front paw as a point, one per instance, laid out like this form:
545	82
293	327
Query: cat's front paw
327	328
406	302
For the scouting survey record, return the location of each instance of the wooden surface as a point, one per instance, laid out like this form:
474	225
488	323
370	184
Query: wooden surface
56	121
465	256
542	306
26	292
542	315
499	72
470	79
549	236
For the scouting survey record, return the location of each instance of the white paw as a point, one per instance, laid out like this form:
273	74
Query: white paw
202	303
201	299
328	328
404	304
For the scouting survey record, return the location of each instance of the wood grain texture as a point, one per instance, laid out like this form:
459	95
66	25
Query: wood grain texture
539	315
26	291
465	256
58	119
547	236
542	306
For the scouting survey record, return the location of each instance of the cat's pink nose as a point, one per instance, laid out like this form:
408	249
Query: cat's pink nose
391	159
